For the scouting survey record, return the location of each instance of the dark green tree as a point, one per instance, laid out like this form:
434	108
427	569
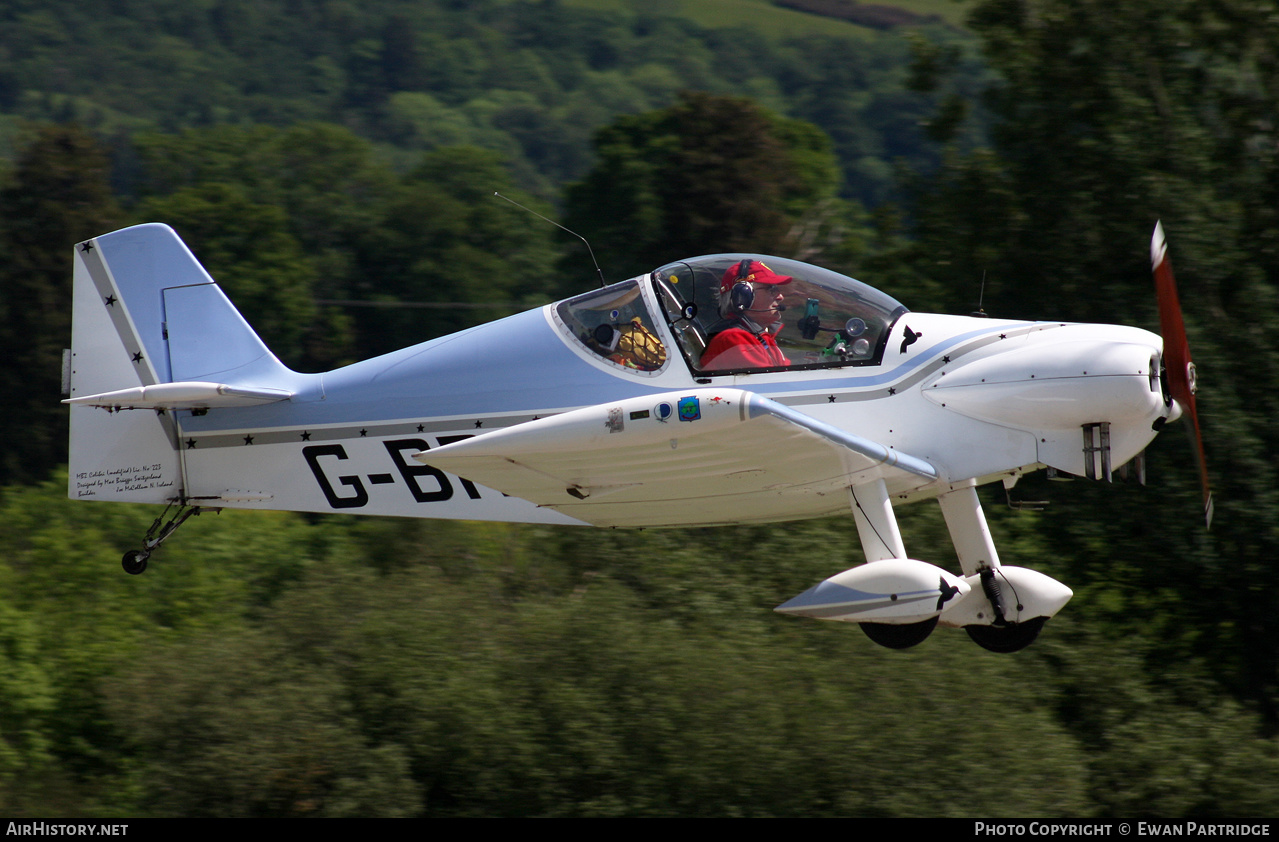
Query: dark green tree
1108	118
57	195
709	174
451	251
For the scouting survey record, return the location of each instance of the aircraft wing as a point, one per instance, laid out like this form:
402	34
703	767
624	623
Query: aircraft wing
697	457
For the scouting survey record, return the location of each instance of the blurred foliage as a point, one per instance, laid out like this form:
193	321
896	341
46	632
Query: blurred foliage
530	80
709	174
270	666
289	219
57	195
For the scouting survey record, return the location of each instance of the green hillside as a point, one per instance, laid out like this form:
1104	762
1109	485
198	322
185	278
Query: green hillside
530	81
774	18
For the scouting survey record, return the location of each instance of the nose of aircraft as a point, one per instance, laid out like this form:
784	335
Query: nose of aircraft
1123	382
1061	379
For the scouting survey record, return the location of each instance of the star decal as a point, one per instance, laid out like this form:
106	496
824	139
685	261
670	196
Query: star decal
479	424
364	432
248	439
1003	336
111	300
137	357
892	390
420	428
190	444
306	435
946	358
86	246
830	398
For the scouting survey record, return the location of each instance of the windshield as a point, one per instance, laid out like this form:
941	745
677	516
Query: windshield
614	323
739	313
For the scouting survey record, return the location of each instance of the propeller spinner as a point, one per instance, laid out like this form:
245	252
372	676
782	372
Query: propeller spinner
1180	368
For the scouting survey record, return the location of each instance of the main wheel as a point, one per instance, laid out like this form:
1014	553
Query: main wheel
1013	637
899	636
134	562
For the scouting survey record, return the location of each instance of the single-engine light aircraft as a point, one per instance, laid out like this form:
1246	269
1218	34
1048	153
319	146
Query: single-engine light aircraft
683	397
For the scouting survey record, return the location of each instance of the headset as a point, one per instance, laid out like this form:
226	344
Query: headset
741	295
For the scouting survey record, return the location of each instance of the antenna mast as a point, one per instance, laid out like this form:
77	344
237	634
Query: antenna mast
562	228
980	313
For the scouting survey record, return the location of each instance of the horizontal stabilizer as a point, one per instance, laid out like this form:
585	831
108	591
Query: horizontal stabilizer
186	395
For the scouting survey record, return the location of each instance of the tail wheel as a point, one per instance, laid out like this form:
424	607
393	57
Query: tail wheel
1011	637
134	562
903	636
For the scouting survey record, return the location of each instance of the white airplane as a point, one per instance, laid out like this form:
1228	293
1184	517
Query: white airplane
678	398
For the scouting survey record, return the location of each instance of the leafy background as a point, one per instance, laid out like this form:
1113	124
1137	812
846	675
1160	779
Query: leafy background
316	153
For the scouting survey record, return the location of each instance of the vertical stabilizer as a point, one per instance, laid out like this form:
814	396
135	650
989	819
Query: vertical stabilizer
145	312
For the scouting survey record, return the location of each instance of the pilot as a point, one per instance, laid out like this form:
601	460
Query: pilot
750	302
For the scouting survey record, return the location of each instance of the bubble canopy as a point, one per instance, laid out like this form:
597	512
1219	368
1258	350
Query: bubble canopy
817	319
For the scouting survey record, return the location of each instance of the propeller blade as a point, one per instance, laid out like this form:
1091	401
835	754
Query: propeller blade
1180	369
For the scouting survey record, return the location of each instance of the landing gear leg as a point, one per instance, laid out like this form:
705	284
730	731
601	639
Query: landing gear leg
881	540
135	561
1000	632
966	523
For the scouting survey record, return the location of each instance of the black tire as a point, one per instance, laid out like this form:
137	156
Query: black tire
899	636
134	562
1013	637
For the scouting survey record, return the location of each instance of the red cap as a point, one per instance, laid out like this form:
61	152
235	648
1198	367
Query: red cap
754	272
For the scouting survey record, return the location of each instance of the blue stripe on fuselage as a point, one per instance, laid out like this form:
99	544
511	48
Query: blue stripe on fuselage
881	377
517	364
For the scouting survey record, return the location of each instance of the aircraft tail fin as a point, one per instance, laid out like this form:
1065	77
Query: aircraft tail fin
152	333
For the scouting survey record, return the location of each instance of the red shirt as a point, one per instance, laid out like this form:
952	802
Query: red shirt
739	348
